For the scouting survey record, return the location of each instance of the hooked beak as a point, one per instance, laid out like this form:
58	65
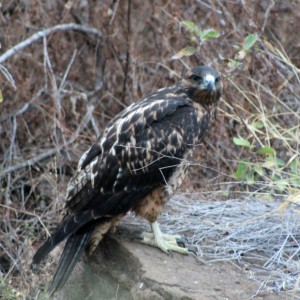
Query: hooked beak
209	83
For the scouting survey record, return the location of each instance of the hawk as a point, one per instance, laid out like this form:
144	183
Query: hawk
136	165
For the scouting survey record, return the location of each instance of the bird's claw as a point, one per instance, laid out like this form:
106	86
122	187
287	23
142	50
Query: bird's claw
181	242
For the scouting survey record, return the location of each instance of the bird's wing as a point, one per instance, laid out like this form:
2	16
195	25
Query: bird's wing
148	136
137	151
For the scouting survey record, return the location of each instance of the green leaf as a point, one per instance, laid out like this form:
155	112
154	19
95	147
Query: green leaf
275	177
233	64
281	184
279	162
194	39
209	34
272	162
241	142
259	170
241	171
1	97
250	179
191	26
249	41
295	180
188	51
258	125
295	166
267	151
269	163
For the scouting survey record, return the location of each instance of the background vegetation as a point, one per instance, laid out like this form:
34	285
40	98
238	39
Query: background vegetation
61	83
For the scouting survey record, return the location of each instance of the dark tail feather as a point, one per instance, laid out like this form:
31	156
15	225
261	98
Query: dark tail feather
71	224
73	249
42	252
68	226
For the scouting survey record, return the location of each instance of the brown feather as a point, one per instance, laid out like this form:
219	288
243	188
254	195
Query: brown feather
136	164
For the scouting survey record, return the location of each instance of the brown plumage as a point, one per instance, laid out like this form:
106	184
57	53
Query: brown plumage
135	165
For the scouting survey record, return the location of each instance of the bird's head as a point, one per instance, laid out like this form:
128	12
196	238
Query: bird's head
203	85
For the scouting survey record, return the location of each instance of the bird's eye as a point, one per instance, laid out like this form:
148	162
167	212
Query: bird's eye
217	79
196	78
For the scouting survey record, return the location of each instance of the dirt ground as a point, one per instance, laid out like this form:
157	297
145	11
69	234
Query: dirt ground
127	270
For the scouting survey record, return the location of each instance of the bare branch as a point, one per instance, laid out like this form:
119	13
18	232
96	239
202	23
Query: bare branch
267	13
40	34
128	58
67	72
8	76
33	160
114	12
29	162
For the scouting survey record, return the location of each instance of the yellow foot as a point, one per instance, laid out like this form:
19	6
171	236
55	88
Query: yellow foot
167	243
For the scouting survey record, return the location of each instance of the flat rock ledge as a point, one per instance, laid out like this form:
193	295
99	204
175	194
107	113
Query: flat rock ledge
127	270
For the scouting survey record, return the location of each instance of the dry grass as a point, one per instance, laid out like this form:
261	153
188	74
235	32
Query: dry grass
62	87
254	235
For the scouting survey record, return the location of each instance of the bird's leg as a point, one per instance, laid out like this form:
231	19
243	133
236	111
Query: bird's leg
167	243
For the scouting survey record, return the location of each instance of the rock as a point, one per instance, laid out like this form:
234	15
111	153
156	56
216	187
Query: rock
127	270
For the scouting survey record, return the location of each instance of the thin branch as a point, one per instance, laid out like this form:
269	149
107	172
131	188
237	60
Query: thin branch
114	12
10	155
208	6
229	101
23	109
267	13
128	50
59	92
31	161
52	78
40	34
26	212
8	76
67	72
90	109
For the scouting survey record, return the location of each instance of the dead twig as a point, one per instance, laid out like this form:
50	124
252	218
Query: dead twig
8	76
42	33
67	72
126	71
267	13
31	161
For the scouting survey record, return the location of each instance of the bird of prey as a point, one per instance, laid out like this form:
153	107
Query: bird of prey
136	165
